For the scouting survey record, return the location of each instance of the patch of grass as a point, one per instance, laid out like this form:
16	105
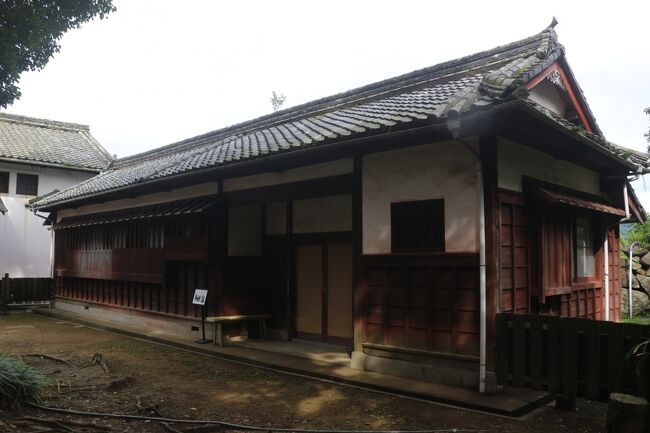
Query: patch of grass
20	383
637	320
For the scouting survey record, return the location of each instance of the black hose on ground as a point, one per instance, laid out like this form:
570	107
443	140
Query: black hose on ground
233	426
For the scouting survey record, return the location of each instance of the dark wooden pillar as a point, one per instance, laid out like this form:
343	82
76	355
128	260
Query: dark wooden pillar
290	270
221	250
488	151
358	321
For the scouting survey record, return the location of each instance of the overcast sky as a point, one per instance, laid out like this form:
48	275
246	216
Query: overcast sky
155	71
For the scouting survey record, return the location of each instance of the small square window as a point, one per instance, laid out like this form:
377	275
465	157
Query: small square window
4	181
584	253
26	184
418	226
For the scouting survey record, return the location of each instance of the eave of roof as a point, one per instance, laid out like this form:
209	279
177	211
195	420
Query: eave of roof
598	144
50	143
39	163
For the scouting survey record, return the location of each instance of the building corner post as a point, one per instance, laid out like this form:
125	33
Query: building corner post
358	319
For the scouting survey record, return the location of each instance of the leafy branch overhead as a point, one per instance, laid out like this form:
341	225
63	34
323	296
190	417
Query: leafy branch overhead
30	32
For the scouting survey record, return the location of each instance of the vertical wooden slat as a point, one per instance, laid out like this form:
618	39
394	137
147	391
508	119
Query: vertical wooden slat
616	350
592	358
630	378
536	354
519	351
503	349
554	352
569	357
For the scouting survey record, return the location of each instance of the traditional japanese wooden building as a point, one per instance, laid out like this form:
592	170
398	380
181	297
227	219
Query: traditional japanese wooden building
397	218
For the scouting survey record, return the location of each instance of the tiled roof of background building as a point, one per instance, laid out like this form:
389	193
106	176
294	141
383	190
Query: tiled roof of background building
47	142
426	96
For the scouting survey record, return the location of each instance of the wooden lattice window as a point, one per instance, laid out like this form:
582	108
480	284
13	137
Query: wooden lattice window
4	181
27	184
418	226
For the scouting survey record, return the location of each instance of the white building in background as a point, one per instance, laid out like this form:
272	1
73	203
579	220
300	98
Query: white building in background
37	157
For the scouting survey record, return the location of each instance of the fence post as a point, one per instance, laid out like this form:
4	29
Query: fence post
4	293
503	350
569	367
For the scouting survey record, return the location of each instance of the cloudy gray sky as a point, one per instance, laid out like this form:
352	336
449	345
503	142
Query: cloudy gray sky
159	71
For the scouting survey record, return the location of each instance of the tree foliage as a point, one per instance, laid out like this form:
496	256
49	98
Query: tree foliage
277	100
639	233
30	32
647	134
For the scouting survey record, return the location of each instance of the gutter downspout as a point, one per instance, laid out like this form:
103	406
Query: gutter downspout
606	265
625	200
455	129
483	280
629	279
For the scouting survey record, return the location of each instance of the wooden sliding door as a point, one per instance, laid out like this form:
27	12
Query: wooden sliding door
324	292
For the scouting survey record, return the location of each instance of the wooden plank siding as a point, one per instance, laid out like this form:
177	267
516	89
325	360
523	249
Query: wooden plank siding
536	262
422	303
155	265
514	254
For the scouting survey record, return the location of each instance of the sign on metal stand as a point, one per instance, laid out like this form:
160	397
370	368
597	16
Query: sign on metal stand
200	295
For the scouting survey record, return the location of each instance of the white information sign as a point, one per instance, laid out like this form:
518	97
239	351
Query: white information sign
200	295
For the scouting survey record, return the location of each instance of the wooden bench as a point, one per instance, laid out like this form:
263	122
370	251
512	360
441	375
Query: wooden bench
217	321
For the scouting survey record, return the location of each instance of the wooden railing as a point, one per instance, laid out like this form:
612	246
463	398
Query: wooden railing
24	291
571	357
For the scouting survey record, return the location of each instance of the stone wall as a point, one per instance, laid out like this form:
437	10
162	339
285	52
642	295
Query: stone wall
640	281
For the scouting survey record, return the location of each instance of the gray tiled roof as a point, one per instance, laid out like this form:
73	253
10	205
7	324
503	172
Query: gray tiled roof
50	142
3	208
422	97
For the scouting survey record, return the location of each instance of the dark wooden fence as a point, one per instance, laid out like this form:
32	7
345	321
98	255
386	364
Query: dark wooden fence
571	357
24	291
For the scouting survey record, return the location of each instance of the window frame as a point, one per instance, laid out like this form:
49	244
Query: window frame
20	176
596	249
592	224
6	174
438	210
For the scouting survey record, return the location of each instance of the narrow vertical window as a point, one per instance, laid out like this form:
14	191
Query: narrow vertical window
585	260
4	181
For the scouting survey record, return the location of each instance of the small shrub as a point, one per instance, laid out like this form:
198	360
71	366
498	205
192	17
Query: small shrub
20	383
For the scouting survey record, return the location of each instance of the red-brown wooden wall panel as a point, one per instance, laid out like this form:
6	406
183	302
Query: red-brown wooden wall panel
422	303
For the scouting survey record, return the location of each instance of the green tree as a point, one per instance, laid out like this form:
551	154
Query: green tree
30	32
277	100
647	134
639	233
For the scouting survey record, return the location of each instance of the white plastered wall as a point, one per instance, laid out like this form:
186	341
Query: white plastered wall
245	230
546	95
444	170
309	172
323	214
515	160
203	189
276	218
25	244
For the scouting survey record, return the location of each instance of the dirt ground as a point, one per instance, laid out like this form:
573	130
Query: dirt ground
146	378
